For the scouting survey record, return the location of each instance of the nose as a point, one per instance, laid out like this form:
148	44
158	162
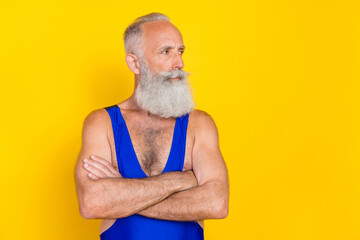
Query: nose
178	62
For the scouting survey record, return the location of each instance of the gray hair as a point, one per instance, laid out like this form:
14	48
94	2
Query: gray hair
133	33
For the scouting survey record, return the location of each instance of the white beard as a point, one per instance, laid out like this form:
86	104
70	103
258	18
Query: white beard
159	96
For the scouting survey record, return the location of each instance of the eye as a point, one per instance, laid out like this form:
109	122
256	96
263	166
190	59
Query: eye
165	52
181	52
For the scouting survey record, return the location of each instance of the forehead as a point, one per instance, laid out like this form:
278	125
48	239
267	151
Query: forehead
158	33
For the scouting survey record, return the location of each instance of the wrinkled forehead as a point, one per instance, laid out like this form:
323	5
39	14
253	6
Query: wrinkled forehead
159	33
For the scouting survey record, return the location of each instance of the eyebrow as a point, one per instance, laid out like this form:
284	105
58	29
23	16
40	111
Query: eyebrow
182	47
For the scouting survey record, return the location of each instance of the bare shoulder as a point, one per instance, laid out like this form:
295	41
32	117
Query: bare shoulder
95	134
202	122
98	117
97	121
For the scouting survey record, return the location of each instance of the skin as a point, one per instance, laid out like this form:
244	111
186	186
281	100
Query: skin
200	191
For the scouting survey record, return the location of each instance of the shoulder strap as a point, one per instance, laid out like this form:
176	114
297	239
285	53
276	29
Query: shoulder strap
183	123
116	122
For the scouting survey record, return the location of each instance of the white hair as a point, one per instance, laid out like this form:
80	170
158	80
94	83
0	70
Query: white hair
159	96
133	33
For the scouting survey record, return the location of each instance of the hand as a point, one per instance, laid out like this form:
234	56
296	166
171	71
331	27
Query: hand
192	181
99	168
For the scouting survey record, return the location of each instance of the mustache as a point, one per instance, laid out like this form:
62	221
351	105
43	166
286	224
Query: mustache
177	73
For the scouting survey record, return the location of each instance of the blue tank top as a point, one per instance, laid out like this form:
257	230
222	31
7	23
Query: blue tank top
137	227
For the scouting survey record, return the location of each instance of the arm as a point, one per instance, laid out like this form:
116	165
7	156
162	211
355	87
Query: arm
210	198
118	197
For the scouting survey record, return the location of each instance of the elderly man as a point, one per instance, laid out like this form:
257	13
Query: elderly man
150	166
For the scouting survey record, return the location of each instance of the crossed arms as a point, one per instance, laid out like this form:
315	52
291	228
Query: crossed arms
199	194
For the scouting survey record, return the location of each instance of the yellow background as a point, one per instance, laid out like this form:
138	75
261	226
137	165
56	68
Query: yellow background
280	78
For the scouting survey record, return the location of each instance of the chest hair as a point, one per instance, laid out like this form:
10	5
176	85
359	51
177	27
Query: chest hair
152	147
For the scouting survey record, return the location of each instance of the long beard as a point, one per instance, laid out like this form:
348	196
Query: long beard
159	96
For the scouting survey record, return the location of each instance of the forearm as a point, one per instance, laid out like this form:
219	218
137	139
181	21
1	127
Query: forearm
208	201
120	197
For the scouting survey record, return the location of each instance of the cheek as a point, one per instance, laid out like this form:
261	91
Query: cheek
161	66
165	65
159	63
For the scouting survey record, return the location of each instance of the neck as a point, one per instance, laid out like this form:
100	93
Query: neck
130	103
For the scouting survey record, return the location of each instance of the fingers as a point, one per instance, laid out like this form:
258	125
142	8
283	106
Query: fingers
93	170
105	163
92	176
99	168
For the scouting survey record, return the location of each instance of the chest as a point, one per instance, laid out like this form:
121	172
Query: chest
152	145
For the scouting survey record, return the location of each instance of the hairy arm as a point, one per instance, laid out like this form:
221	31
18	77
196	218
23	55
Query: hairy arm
116	197
208	200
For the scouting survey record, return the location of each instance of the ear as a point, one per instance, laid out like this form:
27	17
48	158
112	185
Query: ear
133	63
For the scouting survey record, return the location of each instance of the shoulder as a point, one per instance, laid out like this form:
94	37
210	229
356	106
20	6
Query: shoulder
201	120
96	117
97	120
202	124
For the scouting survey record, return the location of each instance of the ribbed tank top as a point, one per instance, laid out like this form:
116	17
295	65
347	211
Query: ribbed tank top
137	227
